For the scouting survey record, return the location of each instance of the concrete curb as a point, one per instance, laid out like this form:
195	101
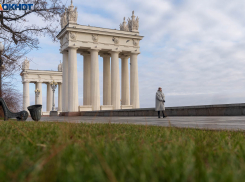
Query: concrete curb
201	110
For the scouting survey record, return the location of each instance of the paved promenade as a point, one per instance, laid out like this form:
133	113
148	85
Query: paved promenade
205	122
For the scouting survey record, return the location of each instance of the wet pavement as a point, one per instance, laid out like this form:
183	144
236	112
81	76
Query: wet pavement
201	122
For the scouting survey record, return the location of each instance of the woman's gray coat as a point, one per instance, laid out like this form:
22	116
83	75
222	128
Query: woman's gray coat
159	101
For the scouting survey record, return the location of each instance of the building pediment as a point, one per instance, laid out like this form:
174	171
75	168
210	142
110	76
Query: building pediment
43	76
84	37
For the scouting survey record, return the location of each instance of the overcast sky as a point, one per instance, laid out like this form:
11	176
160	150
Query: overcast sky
194	50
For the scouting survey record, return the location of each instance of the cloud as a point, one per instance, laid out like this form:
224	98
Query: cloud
196	48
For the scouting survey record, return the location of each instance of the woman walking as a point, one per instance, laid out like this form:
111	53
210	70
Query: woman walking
160	99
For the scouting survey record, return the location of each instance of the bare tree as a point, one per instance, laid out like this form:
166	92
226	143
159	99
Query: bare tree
12	97
20	36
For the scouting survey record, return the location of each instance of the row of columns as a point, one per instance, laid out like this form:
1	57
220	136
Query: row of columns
38	99
111	80
111	87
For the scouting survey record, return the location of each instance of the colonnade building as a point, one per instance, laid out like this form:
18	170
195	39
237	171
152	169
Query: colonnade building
40	77
92	42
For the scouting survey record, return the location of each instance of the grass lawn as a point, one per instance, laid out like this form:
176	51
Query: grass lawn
47	151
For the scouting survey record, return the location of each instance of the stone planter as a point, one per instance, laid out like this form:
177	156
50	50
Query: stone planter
35	111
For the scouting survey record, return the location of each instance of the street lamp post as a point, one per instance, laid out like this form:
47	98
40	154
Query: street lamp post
37	93
53	85
1	67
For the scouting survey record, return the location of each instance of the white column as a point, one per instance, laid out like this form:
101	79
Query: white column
35	93
26	97
39	98
86	78
106	79
125	81
49	97
59	96
134	81
65	82
115	80
95	84
72	80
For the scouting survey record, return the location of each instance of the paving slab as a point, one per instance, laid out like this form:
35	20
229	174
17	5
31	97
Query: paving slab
201	122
